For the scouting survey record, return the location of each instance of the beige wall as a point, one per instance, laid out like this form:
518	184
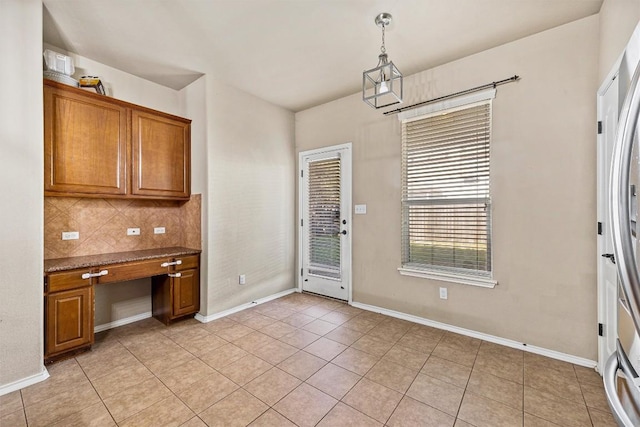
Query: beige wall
543	176
125	86
618	19
21	337
193	104
251	173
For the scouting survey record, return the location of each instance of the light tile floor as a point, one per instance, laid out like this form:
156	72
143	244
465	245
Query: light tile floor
304	360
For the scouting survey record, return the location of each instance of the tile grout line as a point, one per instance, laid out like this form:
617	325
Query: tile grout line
24	409
154	376
464	392
94	389
523	390
414	378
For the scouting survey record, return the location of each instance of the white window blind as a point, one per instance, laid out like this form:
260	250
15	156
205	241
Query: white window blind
324	218
446	205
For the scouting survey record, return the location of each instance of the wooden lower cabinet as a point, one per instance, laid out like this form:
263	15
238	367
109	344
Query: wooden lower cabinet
175	297
186	293
68	320
69	298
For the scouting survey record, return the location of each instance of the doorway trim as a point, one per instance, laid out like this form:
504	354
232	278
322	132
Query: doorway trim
605	314
347	162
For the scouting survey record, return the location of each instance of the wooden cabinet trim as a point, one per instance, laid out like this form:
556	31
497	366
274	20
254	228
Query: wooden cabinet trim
120	272
69	280
110	100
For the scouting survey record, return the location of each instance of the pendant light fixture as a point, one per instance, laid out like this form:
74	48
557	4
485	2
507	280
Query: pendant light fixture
382	85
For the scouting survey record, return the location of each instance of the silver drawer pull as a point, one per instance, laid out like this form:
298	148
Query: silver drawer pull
167	264
90	275
175	274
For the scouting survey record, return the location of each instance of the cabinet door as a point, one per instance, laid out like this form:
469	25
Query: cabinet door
161	156
85	144
69	320
186	293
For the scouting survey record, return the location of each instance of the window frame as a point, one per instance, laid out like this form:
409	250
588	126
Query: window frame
451	274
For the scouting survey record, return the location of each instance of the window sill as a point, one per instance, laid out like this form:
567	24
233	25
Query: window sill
449	277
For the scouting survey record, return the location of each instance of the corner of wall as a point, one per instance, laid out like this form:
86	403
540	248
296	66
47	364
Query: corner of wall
21	254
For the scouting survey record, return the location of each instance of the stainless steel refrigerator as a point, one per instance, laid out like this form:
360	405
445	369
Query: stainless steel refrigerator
620	375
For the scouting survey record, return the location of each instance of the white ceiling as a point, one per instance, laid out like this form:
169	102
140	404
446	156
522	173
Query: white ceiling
293	53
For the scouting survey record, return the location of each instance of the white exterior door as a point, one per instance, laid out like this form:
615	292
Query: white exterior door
325	221
608	105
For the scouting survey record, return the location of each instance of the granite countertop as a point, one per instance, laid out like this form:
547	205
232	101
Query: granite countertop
71	263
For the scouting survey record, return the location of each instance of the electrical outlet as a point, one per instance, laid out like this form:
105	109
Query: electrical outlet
443	293
361	209
133	231
158	230
242	279
70	235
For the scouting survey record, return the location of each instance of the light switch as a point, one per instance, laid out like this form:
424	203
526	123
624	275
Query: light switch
361	209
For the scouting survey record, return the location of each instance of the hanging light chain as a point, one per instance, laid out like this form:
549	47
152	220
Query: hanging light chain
383	49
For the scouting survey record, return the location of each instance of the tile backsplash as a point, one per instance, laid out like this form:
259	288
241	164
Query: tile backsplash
103	223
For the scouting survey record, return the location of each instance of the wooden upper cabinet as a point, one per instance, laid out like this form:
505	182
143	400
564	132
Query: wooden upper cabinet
96	146
161	153
85	144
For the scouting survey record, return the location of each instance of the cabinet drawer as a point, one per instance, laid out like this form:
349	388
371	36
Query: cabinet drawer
133	270
69	280
188	262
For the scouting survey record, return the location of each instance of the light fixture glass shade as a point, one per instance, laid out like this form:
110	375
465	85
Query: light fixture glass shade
382	86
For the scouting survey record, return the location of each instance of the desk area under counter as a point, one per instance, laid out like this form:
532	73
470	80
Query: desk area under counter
69	291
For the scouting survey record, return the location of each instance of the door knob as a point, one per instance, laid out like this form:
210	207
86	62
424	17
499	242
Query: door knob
612	257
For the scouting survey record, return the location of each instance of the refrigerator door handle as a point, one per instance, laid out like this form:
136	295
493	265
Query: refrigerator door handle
618	361
609	376
619	199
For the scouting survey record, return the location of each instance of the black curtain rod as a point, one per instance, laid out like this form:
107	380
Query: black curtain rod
453	95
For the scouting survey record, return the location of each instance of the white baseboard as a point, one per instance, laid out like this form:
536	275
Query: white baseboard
485	337
121	322
25	382
209	318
